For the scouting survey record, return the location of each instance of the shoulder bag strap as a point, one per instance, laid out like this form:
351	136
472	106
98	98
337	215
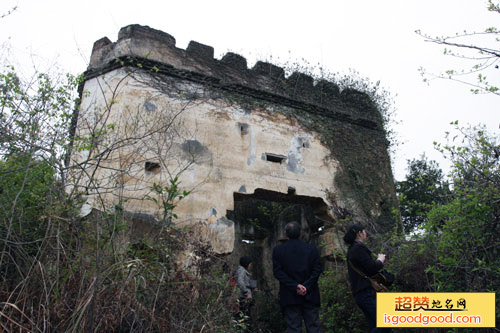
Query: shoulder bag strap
358	271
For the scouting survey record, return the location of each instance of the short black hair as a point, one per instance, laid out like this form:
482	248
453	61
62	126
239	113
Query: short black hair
245	261
292	230
352	232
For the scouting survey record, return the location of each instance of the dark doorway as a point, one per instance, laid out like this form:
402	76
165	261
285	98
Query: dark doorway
260	219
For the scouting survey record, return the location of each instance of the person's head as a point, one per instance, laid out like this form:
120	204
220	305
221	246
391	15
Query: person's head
245	262
292	230
355	232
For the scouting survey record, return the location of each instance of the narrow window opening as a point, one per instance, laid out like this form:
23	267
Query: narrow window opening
243	128
152	167
275	158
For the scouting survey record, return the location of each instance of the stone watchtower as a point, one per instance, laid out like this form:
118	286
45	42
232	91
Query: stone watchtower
255	148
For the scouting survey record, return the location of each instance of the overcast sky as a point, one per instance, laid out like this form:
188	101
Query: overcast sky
374	37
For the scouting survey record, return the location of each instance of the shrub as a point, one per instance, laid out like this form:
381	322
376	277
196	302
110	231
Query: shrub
339	312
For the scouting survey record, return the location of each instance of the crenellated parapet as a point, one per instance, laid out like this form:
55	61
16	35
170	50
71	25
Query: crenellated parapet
156	49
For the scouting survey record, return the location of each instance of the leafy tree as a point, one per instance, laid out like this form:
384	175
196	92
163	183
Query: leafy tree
35	116
480	48
465	230
423	188
25	193
458	250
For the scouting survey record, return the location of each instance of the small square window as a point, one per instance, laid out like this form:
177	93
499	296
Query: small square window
275	158
152	167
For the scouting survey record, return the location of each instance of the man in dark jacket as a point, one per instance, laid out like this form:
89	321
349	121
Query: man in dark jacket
297	267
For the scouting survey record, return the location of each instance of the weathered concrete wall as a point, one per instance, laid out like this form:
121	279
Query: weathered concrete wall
227	130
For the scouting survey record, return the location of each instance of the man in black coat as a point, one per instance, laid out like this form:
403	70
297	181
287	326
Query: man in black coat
297	267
